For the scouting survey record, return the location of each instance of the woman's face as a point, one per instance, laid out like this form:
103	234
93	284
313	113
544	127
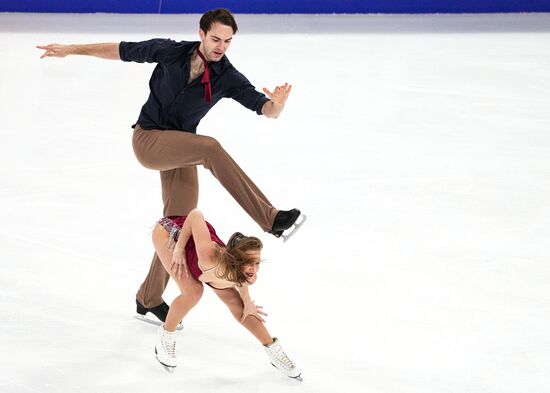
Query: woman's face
251	269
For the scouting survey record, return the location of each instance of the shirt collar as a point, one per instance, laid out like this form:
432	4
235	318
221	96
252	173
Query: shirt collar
214	65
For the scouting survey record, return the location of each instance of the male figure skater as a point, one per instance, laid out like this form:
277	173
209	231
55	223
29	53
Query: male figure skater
189	79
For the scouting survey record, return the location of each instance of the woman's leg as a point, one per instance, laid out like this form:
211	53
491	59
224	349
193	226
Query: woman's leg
275	353
180	194
233	301
166	150
191	289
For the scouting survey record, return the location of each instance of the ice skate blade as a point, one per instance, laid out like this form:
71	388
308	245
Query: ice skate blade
297	378
299	222
168	369
143	318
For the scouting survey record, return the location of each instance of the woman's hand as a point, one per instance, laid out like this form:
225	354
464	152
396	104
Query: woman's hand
179	263
251	309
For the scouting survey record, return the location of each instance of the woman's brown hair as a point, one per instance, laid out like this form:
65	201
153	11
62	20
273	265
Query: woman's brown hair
235	255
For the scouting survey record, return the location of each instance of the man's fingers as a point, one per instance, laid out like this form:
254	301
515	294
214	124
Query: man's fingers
285	88
47	48
47	54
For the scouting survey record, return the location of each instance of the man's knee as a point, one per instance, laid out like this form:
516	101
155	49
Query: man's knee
211	145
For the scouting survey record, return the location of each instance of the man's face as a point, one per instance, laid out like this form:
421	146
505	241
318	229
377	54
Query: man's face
216	41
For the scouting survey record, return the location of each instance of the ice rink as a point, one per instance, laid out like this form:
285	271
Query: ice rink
418	147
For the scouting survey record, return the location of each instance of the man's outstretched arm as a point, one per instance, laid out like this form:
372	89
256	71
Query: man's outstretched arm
277	100
107	50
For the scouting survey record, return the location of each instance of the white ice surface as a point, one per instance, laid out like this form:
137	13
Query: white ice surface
418	146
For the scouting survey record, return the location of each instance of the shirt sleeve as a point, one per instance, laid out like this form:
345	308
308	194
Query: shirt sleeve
242	91
151	51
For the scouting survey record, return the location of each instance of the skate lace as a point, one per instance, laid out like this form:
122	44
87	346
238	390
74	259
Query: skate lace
283	359
169	347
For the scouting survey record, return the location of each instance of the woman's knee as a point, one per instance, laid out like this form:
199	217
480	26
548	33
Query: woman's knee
193	293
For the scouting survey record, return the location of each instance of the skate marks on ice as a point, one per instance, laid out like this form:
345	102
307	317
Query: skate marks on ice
171	369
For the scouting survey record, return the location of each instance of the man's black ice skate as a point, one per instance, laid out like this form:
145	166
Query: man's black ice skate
290	220
160	311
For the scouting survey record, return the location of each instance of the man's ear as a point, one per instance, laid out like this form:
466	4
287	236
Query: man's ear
202	34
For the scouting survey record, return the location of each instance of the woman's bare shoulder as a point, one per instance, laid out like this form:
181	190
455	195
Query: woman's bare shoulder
210	256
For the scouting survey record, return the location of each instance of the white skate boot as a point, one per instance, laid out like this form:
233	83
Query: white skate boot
281	361
165	349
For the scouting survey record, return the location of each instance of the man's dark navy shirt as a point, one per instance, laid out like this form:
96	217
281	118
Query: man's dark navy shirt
175	104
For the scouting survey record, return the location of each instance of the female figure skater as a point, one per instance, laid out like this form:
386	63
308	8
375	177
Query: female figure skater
193	254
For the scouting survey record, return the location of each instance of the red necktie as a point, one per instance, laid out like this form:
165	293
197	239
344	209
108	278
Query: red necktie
206	79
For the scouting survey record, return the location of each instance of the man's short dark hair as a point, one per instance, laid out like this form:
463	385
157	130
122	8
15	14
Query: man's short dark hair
220	15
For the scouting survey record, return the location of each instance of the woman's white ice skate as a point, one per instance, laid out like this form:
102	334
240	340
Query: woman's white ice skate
165	349
281	361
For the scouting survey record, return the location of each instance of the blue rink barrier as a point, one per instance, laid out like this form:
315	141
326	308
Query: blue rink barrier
276	6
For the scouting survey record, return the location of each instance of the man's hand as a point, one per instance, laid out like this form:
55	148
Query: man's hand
279	95
54	50
277	100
